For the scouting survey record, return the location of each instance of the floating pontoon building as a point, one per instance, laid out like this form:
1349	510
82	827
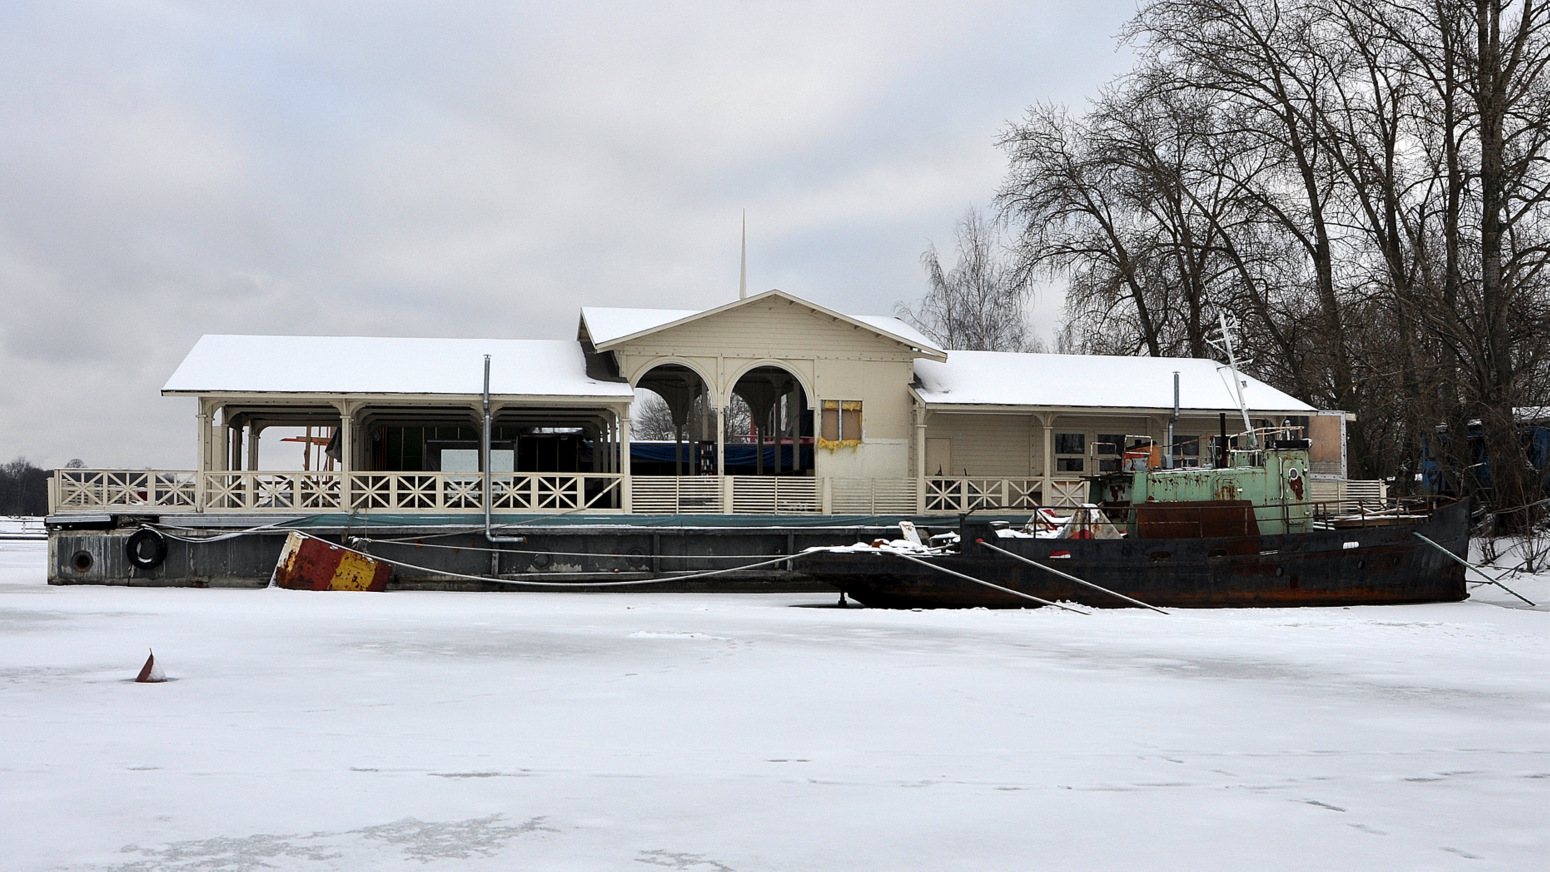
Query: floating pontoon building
850	415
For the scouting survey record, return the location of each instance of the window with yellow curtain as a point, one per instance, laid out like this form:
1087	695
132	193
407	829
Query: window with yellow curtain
840	424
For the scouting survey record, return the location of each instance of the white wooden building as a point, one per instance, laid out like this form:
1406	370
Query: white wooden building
860	415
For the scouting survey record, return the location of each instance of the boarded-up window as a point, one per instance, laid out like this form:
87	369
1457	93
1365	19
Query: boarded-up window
1326	454
840	424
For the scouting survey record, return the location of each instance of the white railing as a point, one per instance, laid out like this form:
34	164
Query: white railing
1372	494
464	492
1067	492
87	489
771	495
543	492
670	495
556	491
272	491
868	496
971	494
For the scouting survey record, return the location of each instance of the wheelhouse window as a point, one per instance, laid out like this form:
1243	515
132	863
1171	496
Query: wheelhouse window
840	423
1109	448
1070	452
1186	451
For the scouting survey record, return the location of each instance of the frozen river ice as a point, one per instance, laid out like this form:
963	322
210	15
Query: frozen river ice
423	730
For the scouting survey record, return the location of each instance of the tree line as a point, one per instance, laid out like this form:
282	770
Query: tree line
1364	184
23	488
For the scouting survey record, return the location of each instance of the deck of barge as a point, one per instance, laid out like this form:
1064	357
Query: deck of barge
450	552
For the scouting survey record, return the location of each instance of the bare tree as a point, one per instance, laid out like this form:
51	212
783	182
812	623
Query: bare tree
652	420
980	303
1365	182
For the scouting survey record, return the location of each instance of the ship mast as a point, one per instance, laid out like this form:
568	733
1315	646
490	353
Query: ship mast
1224	342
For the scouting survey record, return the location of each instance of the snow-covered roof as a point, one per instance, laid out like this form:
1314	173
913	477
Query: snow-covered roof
994	378
896	327
605	323
224	364
607	326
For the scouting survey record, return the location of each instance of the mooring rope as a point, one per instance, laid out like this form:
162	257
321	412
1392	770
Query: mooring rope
1026	596
522	578
410	542
1069	577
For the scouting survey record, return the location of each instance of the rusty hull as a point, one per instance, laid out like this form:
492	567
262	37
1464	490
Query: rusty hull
1370	566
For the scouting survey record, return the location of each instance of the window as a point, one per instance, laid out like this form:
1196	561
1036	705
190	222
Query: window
1186	450
1070	452
840	424
1109	448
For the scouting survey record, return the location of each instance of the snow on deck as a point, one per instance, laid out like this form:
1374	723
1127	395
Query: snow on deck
1071	380
310	731
382	365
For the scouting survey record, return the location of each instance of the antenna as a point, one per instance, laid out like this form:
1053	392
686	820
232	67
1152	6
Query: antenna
742	274
1224	342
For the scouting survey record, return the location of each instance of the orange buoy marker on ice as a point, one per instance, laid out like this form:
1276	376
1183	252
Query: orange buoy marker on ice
151	672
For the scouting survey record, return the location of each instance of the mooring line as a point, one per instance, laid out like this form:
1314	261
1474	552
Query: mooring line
523	579
1027	596
411	543
1069	577
1478	571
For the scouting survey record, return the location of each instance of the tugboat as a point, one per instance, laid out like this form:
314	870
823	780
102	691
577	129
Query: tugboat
1237	534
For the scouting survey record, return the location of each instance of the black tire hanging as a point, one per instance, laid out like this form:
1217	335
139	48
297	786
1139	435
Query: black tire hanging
146	548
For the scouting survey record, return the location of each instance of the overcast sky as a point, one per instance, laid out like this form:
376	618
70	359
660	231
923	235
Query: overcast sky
169	169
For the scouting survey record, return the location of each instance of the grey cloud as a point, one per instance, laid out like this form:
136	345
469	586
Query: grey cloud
177	168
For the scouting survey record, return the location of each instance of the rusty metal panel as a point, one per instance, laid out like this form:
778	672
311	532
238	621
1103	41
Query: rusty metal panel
307	563
1206	519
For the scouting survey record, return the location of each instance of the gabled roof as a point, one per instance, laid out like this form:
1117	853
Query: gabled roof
995	378
223	364
610	327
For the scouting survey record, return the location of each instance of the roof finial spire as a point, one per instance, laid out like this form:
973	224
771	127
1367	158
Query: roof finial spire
742	275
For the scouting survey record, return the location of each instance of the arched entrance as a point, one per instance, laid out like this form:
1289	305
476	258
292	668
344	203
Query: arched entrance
689	420
778	439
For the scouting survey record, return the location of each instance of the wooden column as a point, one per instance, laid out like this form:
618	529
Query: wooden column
254	430
1047	421
626	496
920	457
203	421
346	451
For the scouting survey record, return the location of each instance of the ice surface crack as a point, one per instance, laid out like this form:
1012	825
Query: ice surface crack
674	860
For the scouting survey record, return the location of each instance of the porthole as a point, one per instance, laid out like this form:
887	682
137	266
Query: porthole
81	561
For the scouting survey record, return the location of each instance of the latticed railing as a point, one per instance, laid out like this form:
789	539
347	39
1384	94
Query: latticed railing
121	488
971	494
552	492
1066	492
272	491
542	492
464	492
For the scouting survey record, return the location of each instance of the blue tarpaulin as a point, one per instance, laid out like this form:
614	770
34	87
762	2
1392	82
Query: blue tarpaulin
738	454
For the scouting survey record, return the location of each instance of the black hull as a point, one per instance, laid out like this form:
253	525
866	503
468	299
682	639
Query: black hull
1385	565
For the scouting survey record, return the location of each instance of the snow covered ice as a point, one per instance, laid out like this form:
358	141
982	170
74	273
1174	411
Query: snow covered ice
413	730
